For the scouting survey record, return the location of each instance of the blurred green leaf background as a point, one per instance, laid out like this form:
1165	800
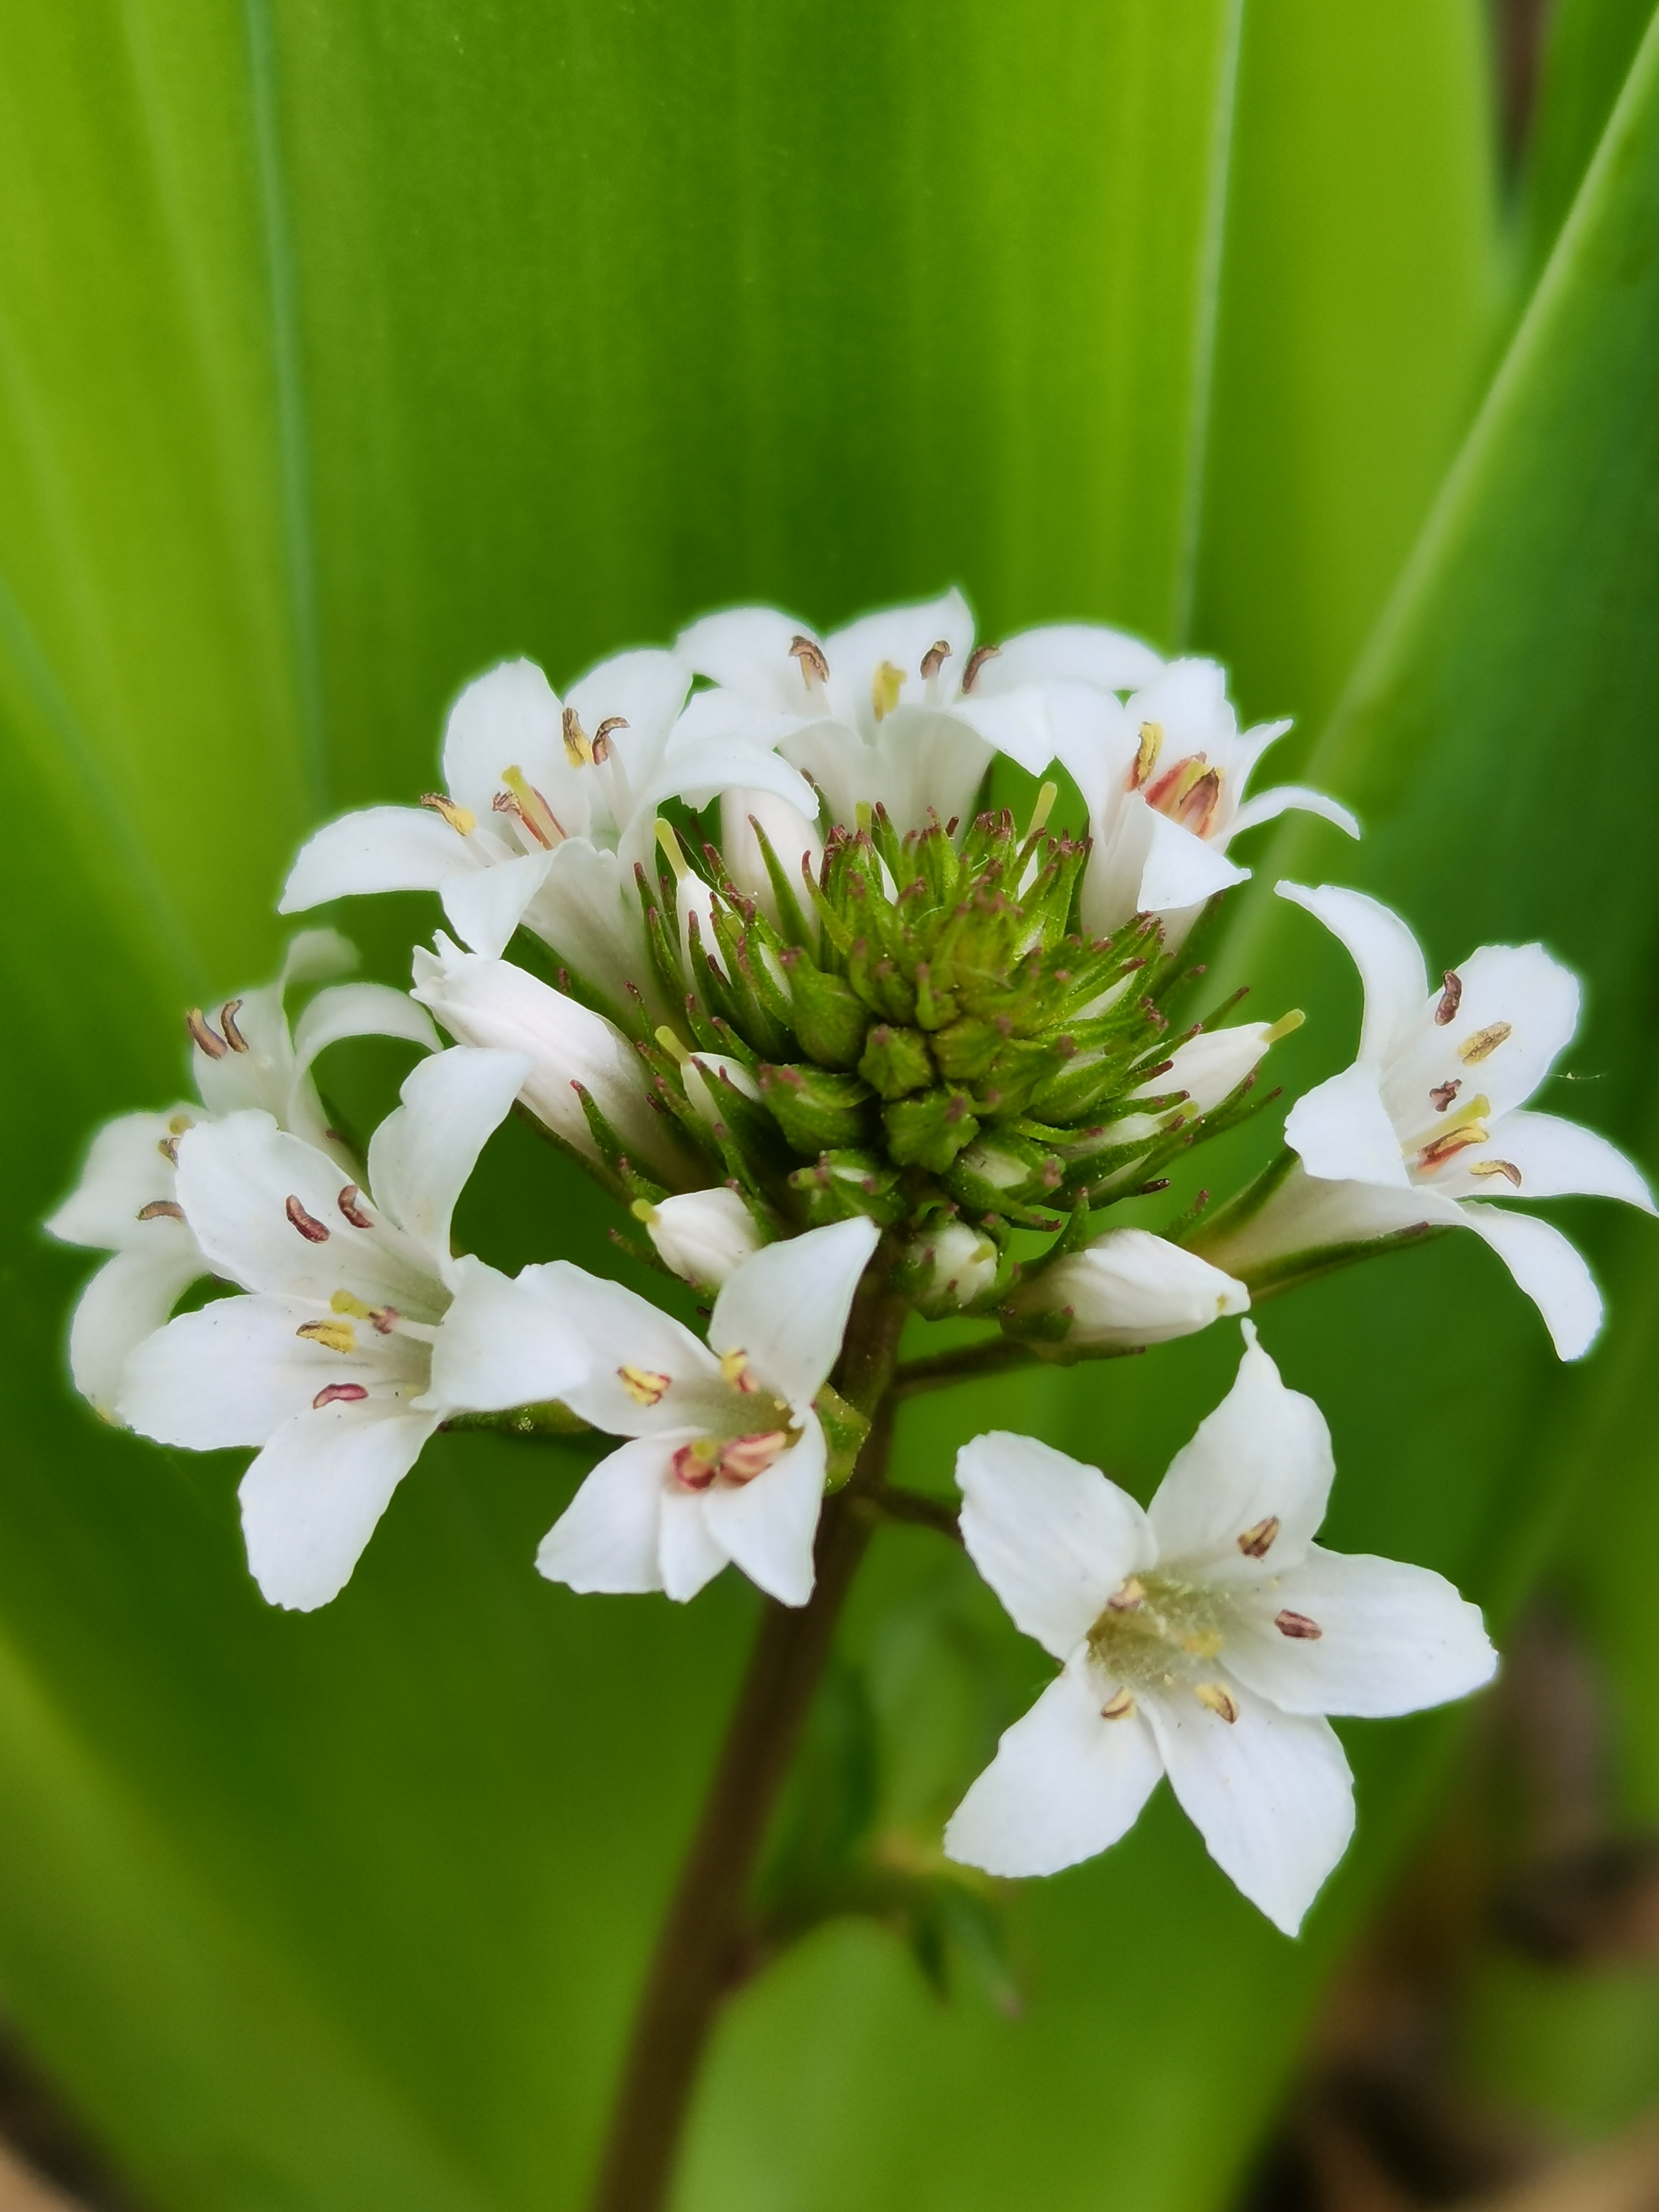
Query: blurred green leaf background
347	347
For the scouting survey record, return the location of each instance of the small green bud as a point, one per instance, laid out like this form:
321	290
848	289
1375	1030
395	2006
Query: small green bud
827	1015
897	1060
839	1185
818	1110
930	1131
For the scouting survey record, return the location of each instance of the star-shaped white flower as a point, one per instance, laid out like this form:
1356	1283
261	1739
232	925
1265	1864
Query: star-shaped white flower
326	1364
728	1457
125	1202
1163	779
1205	1638
1429	1123
548	805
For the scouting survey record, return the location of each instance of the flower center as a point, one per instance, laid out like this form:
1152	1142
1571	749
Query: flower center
1158	1633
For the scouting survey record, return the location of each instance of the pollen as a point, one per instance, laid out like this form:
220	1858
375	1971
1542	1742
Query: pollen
1146	753
1439	1149
644	1385
335	1335
577	745
338	1394
161	1209
734	1366
885	688
1126	1599
1443	1094
1482	1045
1218	1700
1256	1542
461	819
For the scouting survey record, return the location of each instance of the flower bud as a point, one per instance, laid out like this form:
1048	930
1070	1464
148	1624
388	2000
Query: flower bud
956	1264
703	1235
1128	1287
483	1001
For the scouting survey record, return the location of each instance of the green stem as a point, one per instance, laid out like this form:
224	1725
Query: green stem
963	1366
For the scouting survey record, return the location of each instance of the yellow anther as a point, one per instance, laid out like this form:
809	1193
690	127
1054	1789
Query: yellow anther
885	688
1283	1026
643	1385
1146	753
668	839
1218	1700
1126	1600
1043	809
534	811
337	1335
461	819
1482	1045
343	1302
1118	1706
577	745
734	1366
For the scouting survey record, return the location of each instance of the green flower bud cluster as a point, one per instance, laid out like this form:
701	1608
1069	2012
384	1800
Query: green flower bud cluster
924	1031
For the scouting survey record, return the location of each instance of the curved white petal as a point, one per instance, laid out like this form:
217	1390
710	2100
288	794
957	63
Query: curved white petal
1095	742
1262	1457
384	849
1554	1159
647	689
688	1554
1181	869
1066	1783
587	912
767	1525
1017	723
592	1329
1052	1538
1269	1792
700	770
127	1300
1382	948
1132	1287
1516	1011
1342	1132
1307	1215
1188	699
355	1009
606	1537
786	1307
126	1171
792	833
231	1373
1210	1067
422	1154
312	1499
746	651
902	637
1392	1638
1071	653
487	905
500	1345
509	717
316	956
1287	797
1550	1270
704	1235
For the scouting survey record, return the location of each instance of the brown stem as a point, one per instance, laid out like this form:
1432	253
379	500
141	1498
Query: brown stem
963	1365
699	1952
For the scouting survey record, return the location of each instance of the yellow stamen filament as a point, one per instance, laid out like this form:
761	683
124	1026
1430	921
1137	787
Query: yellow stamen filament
337	1335
534	811
461	819
671	1045
885	688
643	1386
1285	1025
1482	1045
1218	1700
1146	753
1043	809
1118	1706
669	842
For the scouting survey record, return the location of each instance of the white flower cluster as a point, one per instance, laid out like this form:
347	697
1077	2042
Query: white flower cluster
1206	1638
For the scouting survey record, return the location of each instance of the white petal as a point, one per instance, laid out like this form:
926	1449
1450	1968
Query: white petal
788	1306
231	1373
1385	952
704	1235
1210	1067
507	718
1556	1160
316	956
1305	1215
588	912
747	652
1548	1268
355	1010
421	1156
1342	1132
700	770
1517	1013
604	1326
1052	1538
1181	870
384	849
312	1499
901	636
1071	653
500	1346
606	1537
1263	1455
1392	1638
647	689
792	835
767	1525
688	1554
1286	798
1095	742
127	1300
1131	1287
1017	723
125	1171
1270	1793
486	906
1188	699
1065	1784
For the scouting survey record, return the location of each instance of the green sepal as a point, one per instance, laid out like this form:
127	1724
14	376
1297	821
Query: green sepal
930	1131
549	1418
840	1185
844	1432
896	1061
817	1110
830	1018
796	928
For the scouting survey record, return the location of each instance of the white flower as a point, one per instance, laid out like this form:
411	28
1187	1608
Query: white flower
1429	1122
1203	1638
899	709
1130	1287
326	1364
1164	779
957	1263
490	1002
704	1235
549	806
728	1457
126	1203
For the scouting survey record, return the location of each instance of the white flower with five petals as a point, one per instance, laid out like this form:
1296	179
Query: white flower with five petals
1206	1639
125	1202
726	1458
327	1363
1429	1124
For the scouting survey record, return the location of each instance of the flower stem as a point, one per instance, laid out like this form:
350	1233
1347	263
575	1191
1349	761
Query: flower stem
700	1951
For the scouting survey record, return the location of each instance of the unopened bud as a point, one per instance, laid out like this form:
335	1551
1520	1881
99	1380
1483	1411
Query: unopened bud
818	1110
703	1235
956	1265
1128	1287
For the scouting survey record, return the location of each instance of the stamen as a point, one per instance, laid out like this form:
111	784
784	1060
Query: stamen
602	747
1129	1597
1146	753
1285	1025
233	1036
338	1394
1218	1700
461	819
1439	1149
748	1456
1042	809
1255	1543
1118	1706
885	688
1297	1627
643	1210
935	657
671	1045
1482	1045
1189	794
168	1148
205	1039
976	660
670	844
643	1385
1450	998
307	1224
810	654
180	1123
734	1366
337	1335
577	745
347	1202
1507	1169
695	1466
532	808
161	1209
1443	1094
343	1302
